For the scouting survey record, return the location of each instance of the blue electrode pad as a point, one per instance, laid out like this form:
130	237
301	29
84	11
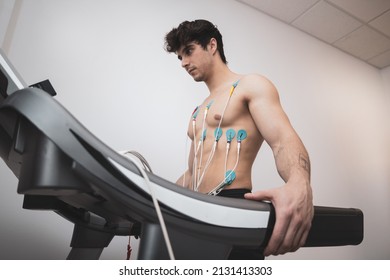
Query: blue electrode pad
230	175
230	134
217	133
241	135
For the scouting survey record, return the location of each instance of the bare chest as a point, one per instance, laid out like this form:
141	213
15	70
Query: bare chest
217	114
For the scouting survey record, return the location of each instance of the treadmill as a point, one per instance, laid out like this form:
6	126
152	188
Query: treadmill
62	167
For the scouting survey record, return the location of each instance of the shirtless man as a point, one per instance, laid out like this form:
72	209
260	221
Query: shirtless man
245	111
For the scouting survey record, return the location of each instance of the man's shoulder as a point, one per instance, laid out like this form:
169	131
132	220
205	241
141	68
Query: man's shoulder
256	84
255	78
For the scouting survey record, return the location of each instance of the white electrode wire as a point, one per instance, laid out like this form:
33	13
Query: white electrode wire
194	163
202	143
158	210
197	178
221	184
215	143
226	155
227	103
185	164
196	168
140	157
238	158
207	164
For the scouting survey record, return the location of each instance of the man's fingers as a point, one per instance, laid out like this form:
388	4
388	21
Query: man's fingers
282	224
259	195
294	236
292	221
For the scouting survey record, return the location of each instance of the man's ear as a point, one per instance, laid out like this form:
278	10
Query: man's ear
213	45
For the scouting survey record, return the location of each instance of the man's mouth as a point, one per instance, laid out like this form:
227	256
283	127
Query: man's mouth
190	70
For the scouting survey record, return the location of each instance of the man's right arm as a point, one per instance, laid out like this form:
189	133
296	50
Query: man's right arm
185	179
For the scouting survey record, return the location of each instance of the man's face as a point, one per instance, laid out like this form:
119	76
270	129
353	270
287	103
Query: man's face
195	60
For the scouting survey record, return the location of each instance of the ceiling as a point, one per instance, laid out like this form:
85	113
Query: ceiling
358	27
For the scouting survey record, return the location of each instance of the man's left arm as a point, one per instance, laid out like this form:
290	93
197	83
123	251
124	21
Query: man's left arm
293	201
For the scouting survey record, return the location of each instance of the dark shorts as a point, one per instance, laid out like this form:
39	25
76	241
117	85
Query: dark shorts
242	253
235	193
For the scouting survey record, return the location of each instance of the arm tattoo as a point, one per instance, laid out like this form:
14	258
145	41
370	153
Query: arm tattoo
304	162
286	161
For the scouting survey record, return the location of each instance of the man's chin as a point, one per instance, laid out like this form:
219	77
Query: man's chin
197	78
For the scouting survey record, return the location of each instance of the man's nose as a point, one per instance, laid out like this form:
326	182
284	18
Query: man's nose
184	62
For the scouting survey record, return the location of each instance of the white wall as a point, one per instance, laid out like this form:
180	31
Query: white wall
386	79
107	63
5	14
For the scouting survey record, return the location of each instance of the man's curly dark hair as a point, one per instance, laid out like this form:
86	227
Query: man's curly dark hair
200	31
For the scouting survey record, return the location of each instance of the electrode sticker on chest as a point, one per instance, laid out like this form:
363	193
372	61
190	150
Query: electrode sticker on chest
200	165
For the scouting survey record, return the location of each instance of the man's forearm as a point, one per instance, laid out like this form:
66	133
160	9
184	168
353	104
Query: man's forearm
291	158
184	180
